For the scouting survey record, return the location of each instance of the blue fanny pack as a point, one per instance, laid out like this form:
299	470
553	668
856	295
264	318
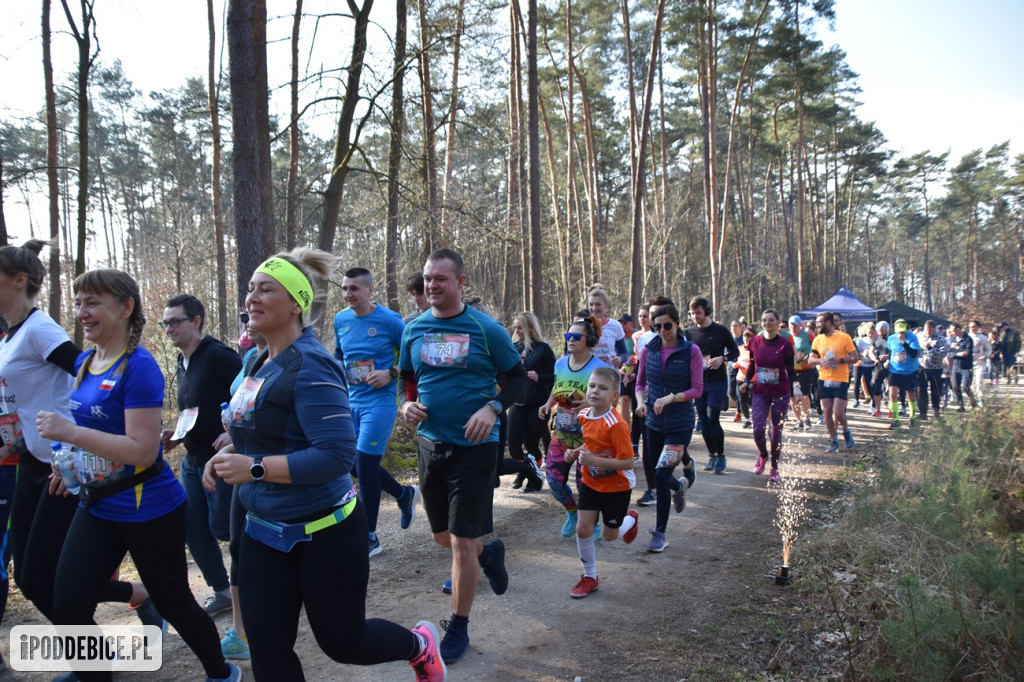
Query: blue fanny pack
284	536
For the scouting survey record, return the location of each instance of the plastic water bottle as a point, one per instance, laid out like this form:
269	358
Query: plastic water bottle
64	460
225	415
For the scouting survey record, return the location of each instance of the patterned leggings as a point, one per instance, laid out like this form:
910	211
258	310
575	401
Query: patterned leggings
557	470
777	406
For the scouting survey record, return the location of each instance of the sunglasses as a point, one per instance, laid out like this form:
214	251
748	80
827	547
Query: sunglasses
667	326
243	317
573	336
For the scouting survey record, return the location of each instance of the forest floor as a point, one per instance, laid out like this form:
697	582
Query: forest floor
705	609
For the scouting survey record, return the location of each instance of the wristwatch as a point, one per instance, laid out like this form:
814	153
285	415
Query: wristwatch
393	371
256	470
496	406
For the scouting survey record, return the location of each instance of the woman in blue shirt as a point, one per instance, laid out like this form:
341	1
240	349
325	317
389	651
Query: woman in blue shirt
294	445
131	501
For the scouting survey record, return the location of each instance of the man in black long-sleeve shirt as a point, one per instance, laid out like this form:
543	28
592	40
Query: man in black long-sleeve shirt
717	346
961	355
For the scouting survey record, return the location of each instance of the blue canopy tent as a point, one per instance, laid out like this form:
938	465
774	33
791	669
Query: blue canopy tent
846	304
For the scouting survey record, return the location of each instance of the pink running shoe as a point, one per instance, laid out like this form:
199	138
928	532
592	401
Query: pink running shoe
774	477
759	467
428	665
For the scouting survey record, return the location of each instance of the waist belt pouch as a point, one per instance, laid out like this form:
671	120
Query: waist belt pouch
89	493
433	449
280	536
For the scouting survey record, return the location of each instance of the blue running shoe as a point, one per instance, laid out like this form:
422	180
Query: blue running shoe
495	570
233	646
833	445
848	437
720	464
658	541
234	675
568	528
407	504
447	587
375	547
455	642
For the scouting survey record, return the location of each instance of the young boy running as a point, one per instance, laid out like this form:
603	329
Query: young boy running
607	461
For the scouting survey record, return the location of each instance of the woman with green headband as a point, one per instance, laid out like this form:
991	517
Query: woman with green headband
293	447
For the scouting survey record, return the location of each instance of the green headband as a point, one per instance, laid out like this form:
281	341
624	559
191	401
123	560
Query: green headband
291	278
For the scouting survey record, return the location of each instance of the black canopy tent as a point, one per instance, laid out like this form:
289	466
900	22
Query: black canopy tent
913	316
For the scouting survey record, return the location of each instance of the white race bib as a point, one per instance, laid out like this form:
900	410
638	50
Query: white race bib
445	350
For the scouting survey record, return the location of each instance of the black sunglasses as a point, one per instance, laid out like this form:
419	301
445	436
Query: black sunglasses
667	326
244	317
573	336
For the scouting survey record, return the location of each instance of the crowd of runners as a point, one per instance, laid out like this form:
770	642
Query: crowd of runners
272	440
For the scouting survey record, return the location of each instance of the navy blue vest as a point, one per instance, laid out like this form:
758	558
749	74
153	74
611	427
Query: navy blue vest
674	379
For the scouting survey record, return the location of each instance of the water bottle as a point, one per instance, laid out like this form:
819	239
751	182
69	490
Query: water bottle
64	460
225	415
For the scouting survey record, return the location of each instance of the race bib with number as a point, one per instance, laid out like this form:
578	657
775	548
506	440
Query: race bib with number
670	456
566	421
601	472
11	435
93	469
445	350
831	384
899	358
358	370
768	375
243	403
186	420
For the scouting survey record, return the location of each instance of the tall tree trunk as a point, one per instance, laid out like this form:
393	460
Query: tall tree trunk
707	29
533	157
799	170
3	218
453	106
291	227
246	157
268	232
514	228
395	154
431	239
213	88
570	134
52	179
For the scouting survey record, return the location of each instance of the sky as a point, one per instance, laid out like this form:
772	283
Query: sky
934	74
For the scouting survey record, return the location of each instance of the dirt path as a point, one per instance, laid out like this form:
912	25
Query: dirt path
703	609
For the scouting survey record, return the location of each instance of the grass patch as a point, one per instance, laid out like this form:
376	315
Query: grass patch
923	576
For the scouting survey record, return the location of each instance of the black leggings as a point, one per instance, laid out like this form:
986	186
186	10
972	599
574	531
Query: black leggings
39	525
711	430
665	476
328	576
527	432
95	547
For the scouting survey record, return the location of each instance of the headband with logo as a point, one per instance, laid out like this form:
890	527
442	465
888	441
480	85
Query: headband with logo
291	278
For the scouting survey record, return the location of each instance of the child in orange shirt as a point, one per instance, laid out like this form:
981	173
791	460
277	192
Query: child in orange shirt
607	461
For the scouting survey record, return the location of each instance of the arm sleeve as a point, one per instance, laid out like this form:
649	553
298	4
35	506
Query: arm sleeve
516	388
321	408
790	366
64	356
751	371
911	351
620	350
732	351
696	374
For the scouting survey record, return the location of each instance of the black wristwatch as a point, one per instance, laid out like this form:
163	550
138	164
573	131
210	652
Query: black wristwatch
393	371
256	470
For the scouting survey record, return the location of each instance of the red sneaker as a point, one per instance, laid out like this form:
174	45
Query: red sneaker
737	417
630	534
584	587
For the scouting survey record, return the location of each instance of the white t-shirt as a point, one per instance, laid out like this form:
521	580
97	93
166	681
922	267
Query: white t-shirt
28	383
982	347
611	331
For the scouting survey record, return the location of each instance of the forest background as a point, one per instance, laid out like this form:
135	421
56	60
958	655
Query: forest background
707	147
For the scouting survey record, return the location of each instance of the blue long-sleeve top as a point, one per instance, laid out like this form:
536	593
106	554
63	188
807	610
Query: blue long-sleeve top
300	409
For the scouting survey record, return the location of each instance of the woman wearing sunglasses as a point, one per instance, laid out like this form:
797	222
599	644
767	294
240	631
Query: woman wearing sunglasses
670	375
572	371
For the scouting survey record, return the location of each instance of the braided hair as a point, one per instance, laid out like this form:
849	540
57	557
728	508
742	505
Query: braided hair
122	287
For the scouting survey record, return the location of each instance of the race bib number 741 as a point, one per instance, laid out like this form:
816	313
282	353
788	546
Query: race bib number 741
445	350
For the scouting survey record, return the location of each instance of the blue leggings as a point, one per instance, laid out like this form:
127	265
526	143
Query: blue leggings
372	478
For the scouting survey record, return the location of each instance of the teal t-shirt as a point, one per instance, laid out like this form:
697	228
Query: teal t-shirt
570	386
368	343
456	362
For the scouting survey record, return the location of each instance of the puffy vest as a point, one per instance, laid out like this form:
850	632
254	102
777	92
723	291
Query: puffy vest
674	378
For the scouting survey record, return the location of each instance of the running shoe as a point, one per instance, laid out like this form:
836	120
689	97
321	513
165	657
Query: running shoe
856	403
848	438
407	505
710	466
720	464
518	483
894	424
747	424
455	642
738	417
429	665
690	473
648	498
234	646
807	424
699	427
218	603
821	420
833	445
375	547
585	586
569	527
658	542
535	474
630	534
148	615
774	477
234	675
447	587
679	496
914	421
495	568
759	467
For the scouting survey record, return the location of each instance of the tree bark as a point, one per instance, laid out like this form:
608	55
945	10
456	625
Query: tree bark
213	88
453	106
430	237
52	179
395	154
291	228
533	156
